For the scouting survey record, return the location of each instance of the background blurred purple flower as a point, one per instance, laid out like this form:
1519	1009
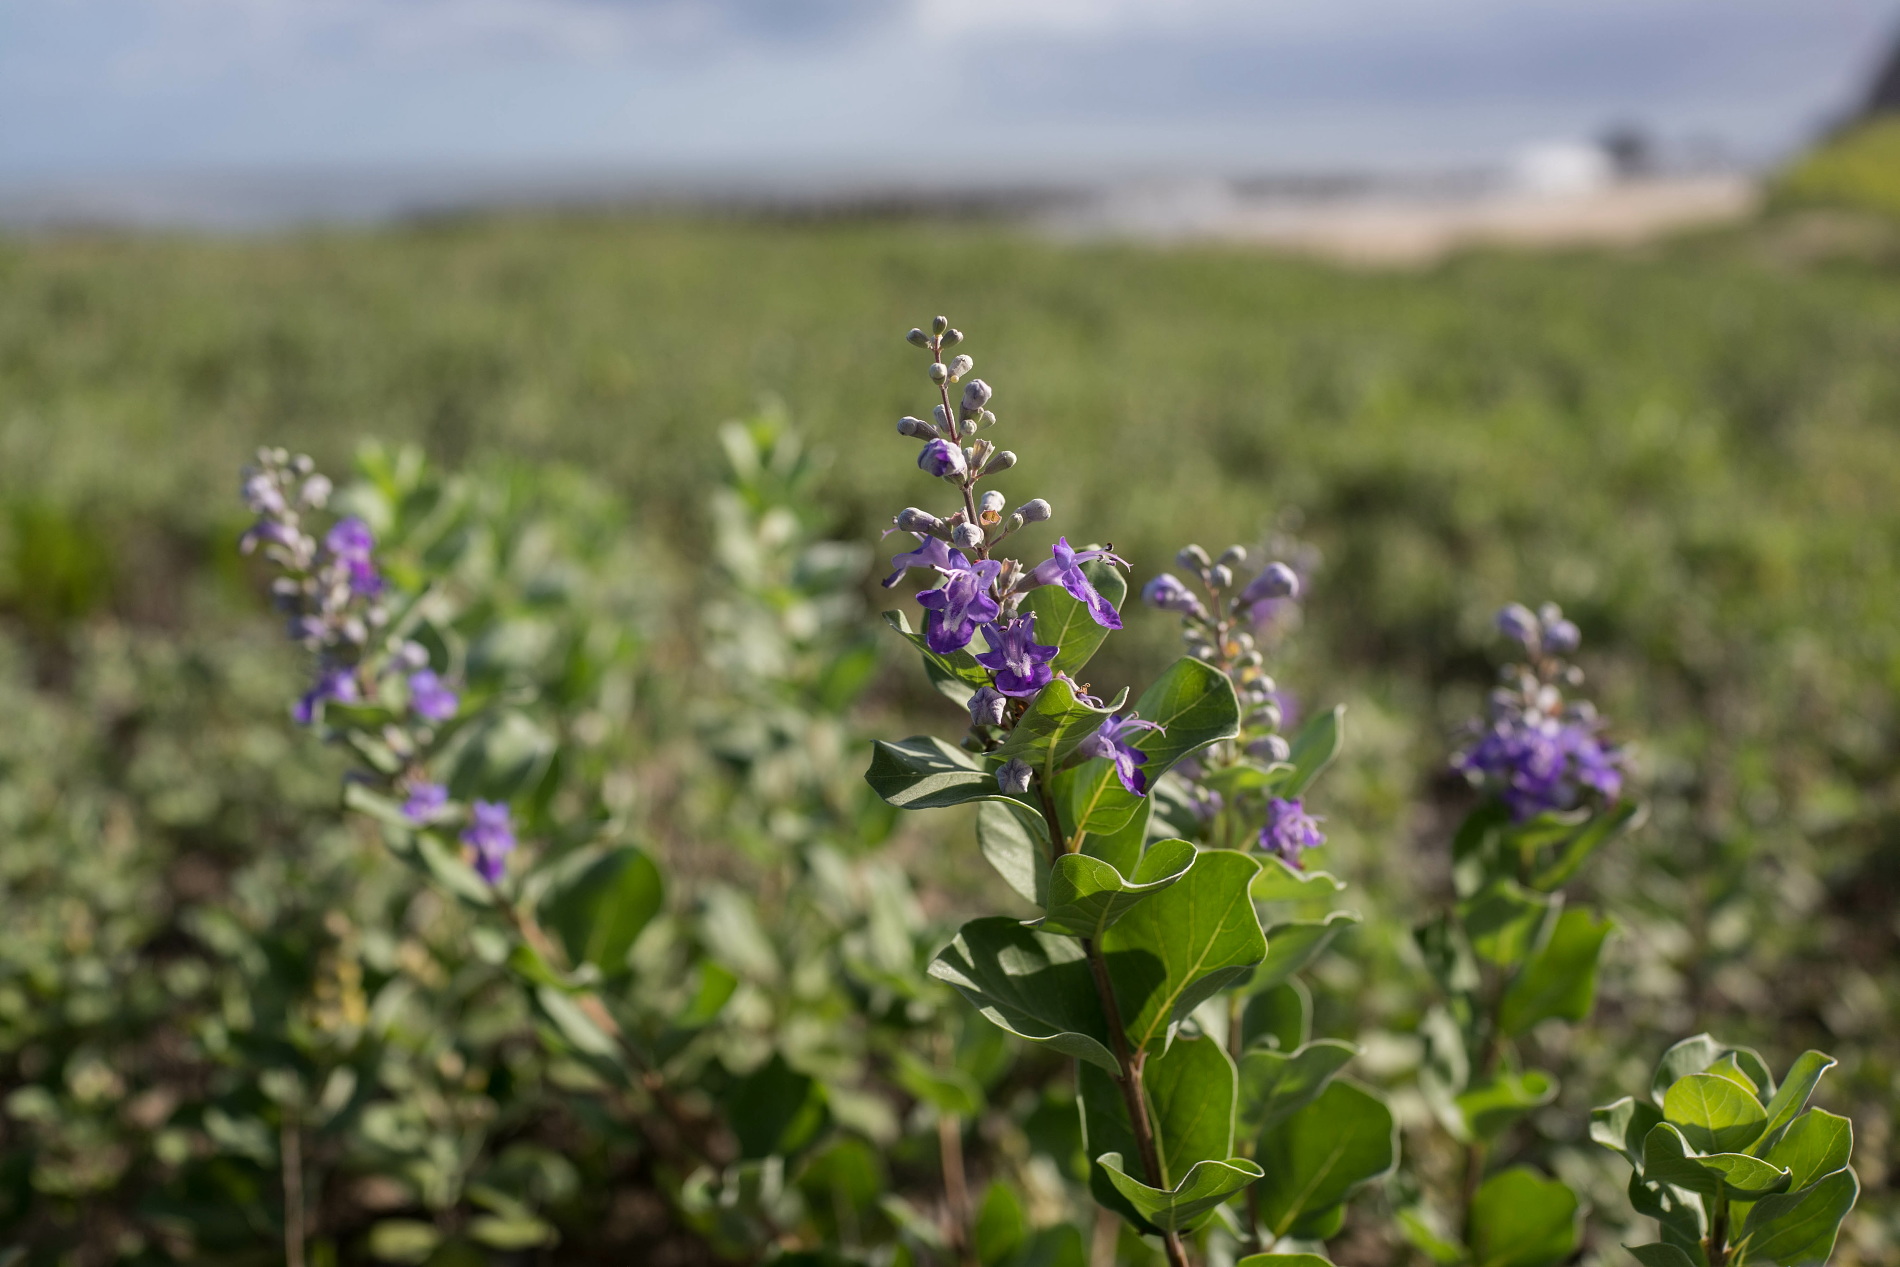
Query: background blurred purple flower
334	682
425	801
491	834
1289	830
430	698
1168	593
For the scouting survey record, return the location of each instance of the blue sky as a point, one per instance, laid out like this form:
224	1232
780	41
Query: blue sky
992	88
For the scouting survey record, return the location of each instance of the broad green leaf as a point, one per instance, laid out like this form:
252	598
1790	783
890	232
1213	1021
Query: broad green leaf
576	1027
1047	734
1283	1260
1001	1225
1316	1156
1063	621
960	665
926	773
1015	840
1189	1203
1189	1091
443	863
1667	1159
1035	985
1574	849
1183	944
945	1089
1291	946
1279	1017
1489	1108
1521	1219
775	1110
1691	1055
1660	1255
502	756
1243	776
1731	1068
1715	1115
1502	922
1195	702
1623	1126
599	911
1274	1085
1441	943
1278	882
1816	1144
1679	1211
1313	749
1561	978
1799	1227
1803	1076
1121	848
1419	1229
1087	896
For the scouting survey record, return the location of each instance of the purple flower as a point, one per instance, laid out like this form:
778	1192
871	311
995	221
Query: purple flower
1021	664
1289	830
930	553
1064	566
430	698
492	836
954	609
350	539
333	683
942	459
1518	623
1111	740
1538	763
1276	580
1169	594
425	802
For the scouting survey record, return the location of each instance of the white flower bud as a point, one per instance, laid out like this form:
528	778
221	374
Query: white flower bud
992	502
952	337
1192	556
1001	462
316	490
939	325
1234	556
1221	577
916	428
1014	777
939	373
917	337
987	420
967	537
1034	512
961	365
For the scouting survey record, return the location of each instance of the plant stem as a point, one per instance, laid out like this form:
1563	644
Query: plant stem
290	1146
956	1189
1718	1233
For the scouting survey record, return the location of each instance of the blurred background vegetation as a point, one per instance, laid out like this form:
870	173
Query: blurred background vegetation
1694	446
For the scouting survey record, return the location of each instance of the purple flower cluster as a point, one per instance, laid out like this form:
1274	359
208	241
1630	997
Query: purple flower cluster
1289	830
490	834
1537	753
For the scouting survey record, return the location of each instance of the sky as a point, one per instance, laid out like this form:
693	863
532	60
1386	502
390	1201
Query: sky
972	90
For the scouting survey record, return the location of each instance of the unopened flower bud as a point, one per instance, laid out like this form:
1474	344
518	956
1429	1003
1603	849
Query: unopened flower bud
1562	637
911	519
939	325
1234	556
986	707
987	420
961	365
1034	511
1013	524
1221	576
917	337
316	490
303	464
1276	580
1013	778
967	427
1001	462
1517	623
976	394
915	428
1169	594
1193	557
942	417
1273	748
939	372
992	506
1267	715
942	459
412	655
967	537
952	337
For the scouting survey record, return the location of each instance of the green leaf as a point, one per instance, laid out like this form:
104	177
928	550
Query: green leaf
1275	1085
1293	945
1242	776
1121	848
1561	978
926	773
1803	1076
1679	1211
949	1091
1313	749
1189	1203
601	910
1087	896
1576	847
1660	1255
1283	1260
775	1110
1489	1108
1057	721
1715	1115
1816	1144
503	755
1175	950
403	1240
1623	1126
1278	1016
1731	1068
1015	840
1316	1156
1035	985
1420	1232
1691	1055
1666	1159
1279	882
1001	1226
1195	702
1521	1219
1502	922
1800	1227
1063	621
958	665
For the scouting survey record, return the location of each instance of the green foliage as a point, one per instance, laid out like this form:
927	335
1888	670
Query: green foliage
1858	170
